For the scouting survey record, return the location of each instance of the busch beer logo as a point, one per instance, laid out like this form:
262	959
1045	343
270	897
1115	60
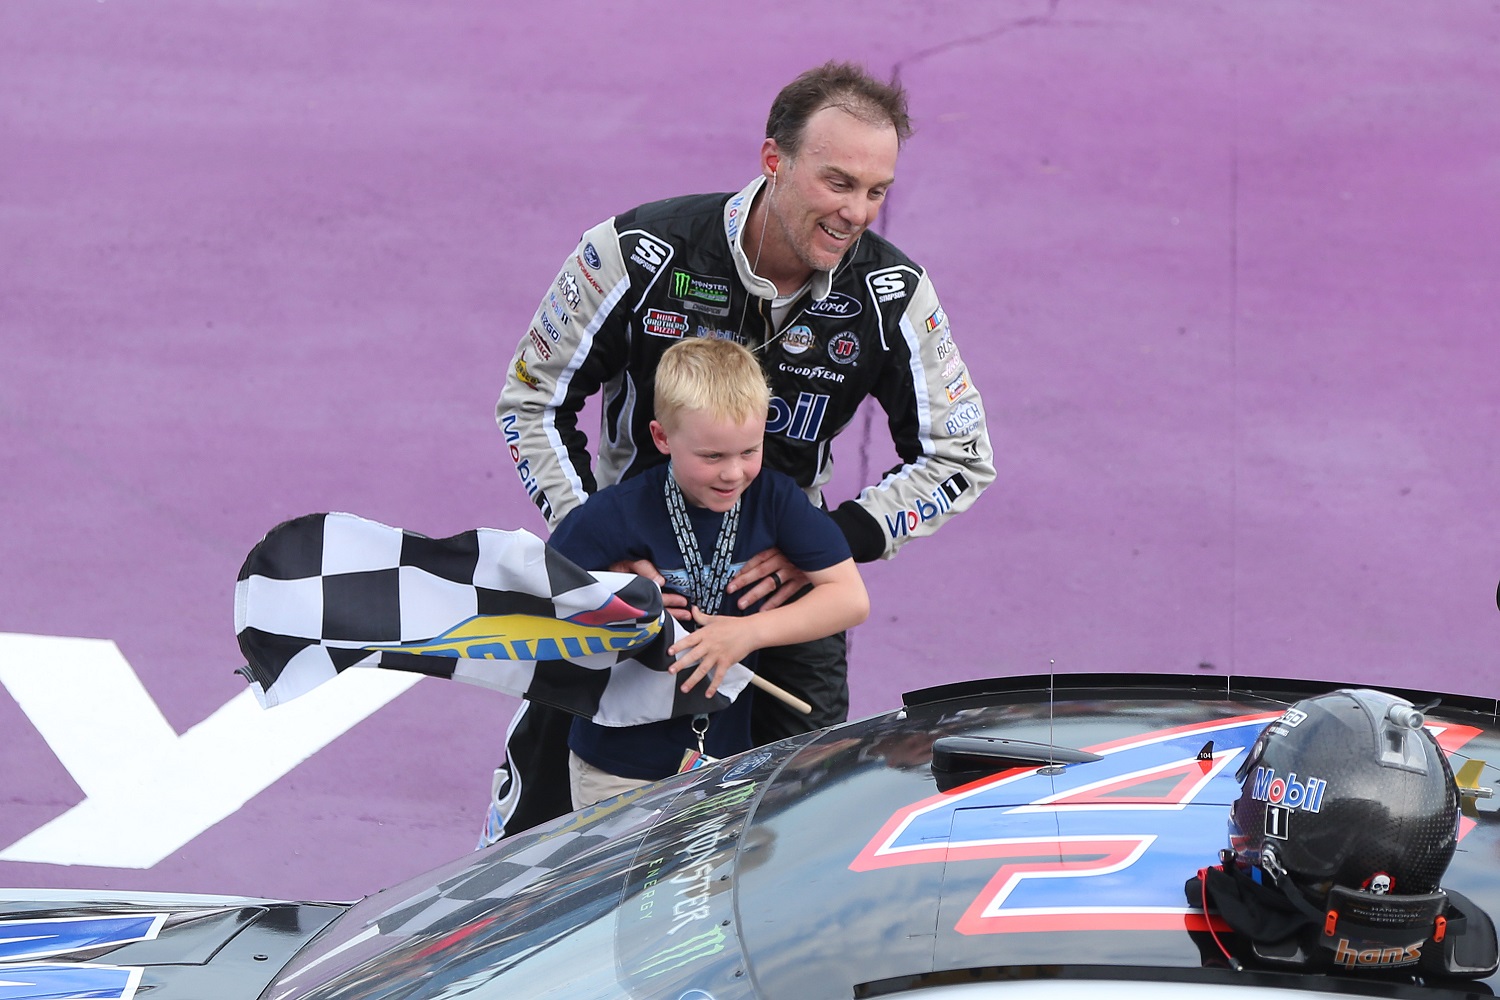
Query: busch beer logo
797	339
963	417
568	285
1288	791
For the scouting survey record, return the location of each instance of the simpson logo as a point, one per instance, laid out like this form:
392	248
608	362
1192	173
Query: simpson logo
700	294
888	285
797	339
650	253
837	304
661	323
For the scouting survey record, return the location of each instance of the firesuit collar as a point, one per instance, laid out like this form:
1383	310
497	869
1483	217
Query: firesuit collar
736	211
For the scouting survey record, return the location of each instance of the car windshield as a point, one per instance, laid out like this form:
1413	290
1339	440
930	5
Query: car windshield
627	898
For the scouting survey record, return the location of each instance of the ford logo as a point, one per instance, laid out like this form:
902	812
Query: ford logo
837	304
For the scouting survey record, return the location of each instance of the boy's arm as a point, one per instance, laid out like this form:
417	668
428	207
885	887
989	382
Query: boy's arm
836	602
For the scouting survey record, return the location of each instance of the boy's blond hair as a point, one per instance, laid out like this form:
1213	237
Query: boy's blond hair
716	376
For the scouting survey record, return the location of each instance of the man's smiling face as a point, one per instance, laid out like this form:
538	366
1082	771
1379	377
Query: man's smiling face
831	190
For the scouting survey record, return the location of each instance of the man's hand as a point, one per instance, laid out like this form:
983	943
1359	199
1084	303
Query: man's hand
719	643
767	574
676	604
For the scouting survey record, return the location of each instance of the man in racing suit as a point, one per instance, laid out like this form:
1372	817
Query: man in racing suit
835	313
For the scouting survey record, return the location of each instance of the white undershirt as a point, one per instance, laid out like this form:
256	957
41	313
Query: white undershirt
782	304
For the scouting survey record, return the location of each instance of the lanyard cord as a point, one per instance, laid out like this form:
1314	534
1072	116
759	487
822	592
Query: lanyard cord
708	582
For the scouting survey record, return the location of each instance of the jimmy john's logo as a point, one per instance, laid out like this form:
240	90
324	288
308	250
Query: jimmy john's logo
700	294
837	304
844	348
662	323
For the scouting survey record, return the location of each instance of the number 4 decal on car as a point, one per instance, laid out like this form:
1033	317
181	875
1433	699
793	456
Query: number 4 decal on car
23	942
68	982
1152	803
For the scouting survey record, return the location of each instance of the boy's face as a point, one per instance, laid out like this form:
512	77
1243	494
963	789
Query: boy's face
713	458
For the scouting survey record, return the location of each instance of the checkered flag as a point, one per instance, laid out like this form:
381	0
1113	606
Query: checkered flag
499	609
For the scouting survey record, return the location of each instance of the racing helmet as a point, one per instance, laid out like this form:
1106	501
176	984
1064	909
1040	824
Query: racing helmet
1347	789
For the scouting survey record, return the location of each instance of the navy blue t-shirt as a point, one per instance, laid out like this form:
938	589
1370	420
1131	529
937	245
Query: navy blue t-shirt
629	521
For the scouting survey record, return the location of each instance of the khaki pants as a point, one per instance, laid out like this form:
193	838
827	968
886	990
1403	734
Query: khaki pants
589	784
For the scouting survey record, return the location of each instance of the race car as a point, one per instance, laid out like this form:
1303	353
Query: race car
1016	837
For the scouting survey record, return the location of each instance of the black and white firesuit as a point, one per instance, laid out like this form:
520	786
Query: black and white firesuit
871	328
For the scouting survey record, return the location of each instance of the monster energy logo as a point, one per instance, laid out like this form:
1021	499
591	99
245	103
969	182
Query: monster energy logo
693	949
726	799
712	293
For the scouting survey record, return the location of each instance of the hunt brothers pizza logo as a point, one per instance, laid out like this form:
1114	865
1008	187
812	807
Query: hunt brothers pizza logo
661	323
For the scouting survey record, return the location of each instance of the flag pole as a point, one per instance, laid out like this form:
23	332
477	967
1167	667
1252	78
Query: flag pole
781	694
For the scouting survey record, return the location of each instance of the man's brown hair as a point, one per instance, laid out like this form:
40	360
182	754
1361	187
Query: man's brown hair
843	85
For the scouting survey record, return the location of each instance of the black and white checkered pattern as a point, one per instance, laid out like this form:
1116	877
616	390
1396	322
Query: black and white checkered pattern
326	592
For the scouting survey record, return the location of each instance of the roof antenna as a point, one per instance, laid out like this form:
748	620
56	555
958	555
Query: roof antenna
1052	767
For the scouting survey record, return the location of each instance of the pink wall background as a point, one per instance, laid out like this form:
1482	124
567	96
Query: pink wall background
1224	273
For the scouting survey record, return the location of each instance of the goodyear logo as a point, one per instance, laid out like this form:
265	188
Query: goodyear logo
530	637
